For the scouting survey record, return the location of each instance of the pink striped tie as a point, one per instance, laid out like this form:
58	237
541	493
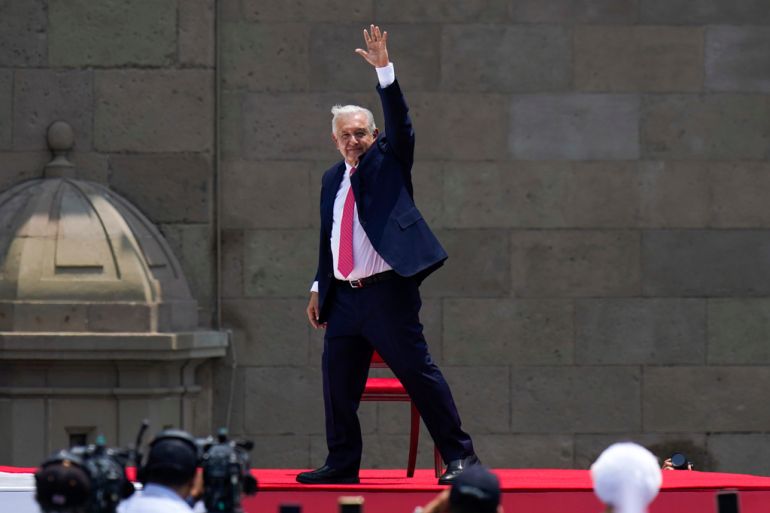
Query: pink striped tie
345	261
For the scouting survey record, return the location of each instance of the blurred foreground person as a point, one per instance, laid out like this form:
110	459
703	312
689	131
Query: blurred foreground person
626	478
169	475
477	490
63	487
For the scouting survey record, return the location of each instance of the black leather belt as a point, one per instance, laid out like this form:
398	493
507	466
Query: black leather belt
370	280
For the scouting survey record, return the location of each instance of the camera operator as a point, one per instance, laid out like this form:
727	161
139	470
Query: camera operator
63	486
169	476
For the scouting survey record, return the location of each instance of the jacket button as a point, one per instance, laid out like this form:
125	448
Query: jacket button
329	275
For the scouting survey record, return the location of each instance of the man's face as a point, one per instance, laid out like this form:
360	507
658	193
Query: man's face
352	136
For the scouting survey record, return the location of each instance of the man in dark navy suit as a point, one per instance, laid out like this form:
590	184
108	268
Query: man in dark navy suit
374	251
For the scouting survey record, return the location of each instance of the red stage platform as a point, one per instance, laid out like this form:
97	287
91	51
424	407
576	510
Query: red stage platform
524	491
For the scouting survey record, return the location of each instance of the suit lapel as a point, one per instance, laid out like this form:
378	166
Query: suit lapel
330	194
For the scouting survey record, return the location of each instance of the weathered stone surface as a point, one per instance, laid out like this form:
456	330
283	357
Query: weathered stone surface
92	166
112	33
428	183
23	33
267	194
193	245
268	332
744	453
477	266
44	96
739	192
710	399
154	111
662	445
640	331
638	58
706	263
437	117
446	11
279	263
499	331
736	60
574	127
265	57
547	194
703	12
283	401
229	396
93	416
468	384
575	263
524	451
334	66
167	187
308	10
6	108
117	317
674	194
64	317
505	58
705	127
196	32
20	166
738	331
26	448
575	399
282	451
232	263
230	124
293	126
575	11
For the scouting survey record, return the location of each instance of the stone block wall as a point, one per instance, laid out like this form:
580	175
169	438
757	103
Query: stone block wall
597	170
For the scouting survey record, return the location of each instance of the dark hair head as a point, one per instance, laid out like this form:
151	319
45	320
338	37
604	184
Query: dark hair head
173	459
476	490
62	485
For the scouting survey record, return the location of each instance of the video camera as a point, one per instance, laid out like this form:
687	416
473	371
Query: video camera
93	479
90	478
225	463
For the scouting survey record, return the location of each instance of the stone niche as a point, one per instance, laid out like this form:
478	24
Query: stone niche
98	328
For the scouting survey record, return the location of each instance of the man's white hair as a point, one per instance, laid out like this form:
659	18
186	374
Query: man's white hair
344	110
626	476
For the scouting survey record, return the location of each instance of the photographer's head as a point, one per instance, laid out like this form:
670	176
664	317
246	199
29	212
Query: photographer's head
476	490
172	461
62	485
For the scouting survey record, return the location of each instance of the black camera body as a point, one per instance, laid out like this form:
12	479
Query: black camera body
226	472
225	463
105	469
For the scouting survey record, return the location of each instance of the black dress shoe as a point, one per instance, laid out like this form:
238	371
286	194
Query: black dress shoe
328	475
456	467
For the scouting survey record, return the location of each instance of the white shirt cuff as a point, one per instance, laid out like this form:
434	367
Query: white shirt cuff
386	75
314	288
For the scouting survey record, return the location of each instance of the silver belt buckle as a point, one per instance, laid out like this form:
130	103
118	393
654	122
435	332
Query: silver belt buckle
356	284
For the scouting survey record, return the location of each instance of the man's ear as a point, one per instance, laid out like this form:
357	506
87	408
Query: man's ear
334	139
376	132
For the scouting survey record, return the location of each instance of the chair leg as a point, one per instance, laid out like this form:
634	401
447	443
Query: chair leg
414	437
438	462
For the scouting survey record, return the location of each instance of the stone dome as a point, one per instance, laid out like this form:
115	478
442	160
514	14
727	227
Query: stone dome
76	257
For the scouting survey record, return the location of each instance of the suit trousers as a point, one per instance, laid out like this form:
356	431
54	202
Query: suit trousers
382	316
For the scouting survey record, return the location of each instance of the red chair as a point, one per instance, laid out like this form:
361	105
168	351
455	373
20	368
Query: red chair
391	389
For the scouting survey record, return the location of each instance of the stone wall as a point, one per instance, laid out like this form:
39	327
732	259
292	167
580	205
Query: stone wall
597	170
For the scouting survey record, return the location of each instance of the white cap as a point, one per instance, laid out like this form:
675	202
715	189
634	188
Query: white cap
626	476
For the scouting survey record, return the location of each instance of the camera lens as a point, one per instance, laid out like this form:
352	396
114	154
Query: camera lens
679	460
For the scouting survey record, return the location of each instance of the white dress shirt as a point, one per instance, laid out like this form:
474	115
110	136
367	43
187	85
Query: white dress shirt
154	498
366	260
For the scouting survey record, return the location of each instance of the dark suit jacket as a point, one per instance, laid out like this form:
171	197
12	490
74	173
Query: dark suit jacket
382	186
